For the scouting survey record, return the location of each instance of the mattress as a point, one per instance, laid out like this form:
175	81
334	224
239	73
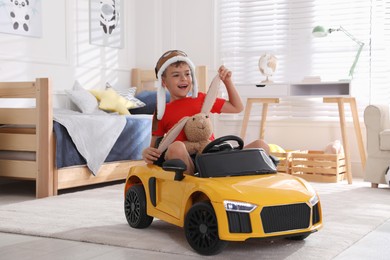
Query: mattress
135	137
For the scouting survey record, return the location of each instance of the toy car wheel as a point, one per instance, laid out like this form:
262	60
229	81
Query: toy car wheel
201	229
135	207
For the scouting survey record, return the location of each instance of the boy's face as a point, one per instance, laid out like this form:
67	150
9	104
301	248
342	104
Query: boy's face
177	79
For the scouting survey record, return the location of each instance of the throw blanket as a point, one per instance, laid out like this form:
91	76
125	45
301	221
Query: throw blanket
93	135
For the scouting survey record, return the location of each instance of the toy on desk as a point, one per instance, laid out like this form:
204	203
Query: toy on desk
267	66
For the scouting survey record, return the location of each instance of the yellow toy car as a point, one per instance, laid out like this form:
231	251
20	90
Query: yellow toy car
236	195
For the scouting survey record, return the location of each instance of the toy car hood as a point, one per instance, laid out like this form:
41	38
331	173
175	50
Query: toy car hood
265	189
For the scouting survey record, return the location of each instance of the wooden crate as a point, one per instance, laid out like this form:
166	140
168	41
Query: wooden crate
284	160
318	166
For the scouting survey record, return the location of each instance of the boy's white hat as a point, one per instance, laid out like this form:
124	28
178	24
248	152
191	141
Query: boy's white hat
167	59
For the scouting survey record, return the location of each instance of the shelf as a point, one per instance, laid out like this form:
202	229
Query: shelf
320	89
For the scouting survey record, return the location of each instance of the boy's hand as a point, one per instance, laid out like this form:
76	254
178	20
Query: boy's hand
224	73
233	104
150	154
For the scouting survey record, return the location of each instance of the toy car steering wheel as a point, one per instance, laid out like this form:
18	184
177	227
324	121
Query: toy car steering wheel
222	139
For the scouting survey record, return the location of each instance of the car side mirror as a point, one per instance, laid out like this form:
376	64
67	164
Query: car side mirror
177	166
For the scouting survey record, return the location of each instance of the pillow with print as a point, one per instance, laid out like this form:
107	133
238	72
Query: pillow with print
150	99
128	94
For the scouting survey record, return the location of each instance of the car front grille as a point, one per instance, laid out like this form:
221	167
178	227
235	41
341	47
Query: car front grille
239	222
316	214
285	217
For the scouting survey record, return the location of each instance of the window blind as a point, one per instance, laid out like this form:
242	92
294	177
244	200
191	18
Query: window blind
250	28
380	57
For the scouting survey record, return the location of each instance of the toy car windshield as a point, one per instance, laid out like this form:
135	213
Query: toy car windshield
234	163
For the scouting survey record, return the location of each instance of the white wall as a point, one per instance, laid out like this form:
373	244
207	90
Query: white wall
187	25
64	54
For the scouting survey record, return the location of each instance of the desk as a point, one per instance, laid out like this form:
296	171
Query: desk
340	102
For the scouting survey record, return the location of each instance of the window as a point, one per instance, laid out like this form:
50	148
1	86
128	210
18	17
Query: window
250	28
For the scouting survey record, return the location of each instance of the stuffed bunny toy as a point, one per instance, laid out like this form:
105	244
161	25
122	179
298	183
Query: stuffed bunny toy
198	128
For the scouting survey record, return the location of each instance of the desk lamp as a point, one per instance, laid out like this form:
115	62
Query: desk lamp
320	31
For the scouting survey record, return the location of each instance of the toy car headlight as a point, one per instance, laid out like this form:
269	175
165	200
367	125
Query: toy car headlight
236	206
314	200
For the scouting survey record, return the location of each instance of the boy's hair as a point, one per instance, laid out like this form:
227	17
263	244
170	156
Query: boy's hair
175	64
167	59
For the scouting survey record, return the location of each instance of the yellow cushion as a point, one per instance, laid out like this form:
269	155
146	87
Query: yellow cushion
111	101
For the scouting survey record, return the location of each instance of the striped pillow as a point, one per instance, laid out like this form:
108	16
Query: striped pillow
129	94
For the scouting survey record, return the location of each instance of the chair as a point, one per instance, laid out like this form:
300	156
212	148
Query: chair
377	121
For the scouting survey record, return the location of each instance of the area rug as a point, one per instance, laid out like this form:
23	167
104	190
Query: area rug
96	216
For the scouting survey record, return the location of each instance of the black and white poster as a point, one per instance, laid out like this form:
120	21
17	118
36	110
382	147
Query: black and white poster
106	23
22	17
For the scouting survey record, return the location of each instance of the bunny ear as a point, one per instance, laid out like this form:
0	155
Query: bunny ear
212	95
172	134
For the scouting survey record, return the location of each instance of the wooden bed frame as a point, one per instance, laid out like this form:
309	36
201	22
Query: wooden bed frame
35	133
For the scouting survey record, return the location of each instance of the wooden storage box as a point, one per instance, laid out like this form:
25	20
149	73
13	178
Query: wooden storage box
284	160
318	166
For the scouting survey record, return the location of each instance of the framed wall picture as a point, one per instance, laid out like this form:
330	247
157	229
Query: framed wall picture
22	17
106	23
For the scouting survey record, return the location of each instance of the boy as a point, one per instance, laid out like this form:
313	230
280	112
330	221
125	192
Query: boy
176	73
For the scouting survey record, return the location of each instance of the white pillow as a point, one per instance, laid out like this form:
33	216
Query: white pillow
129	94
83	99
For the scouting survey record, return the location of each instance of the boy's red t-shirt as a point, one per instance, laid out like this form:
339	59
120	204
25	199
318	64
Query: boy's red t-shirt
176	110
